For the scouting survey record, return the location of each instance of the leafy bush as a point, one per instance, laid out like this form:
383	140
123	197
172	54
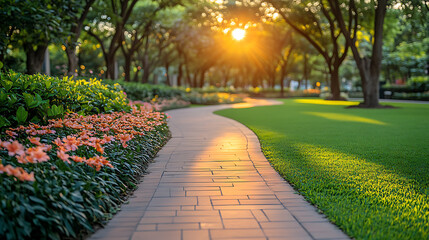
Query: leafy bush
165	95
212	98
37	98
418	79
213	89
74	172
275	93
146	92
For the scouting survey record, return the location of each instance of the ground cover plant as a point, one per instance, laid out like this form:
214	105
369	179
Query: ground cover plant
367	170
72	172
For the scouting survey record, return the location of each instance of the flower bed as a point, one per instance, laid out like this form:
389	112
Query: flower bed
74	172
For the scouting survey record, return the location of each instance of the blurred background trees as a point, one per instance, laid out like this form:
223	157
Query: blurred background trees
286	44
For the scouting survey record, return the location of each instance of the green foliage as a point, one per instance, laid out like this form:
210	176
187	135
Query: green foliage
213	98
36	21
367	170
146	92
37	98
418	79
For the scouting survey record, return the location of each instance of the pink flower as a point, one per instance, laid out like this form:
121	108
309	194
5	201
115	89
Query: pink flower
17	172
63	156
35	140
14	148
37	154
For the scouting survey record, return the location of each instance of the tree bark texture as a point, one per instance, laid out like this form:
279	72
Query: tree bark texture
73	61
369	67
76	29
180	74
35	58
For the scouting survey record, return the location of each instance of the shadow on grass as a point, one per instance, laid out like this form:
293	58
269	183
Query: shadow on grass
369	178
365	199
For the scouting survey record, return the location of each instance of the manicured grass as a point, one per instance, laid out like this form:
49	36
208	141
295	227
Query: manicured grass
366	169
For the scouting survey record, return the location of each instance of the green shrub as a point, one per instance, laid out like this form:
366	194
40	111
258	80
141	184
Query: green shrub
212	98
37	98
418	79
146	92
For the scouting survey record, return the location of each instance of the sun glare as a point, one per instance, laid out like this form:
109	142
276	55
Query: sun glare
238	34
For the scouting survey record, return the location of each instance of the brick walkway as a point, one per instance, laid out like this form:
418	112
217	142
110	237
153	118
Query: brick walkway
211	181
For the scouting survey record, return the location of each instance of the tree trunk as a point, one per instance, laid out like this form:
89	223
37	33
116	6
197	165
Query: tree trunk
305	70
255	80
289	81
273	78
127	68
369	68
195	79
76	29
226	77
110	64
202	77
283	72
73	61
335	83
167	80
146	69
236	80
372	100
34	57
136	76
180	74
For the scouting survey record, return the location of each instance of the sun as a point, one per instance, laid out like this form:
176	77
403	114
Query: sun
238	34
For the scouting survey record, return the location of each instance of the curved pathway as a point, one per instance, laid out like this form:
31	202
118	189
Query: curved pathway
211	181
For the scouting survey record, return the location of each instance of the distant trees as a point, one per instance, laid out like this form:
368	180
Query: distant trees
188	44
33	25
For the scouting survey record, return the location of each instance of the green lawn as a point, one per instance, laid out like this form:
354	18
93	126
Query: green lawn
366	169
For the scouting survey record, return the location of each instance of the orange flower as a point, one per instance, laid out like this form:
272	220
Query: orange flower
46	147
22	159
105	129
107	139
35	140
63	156
27	176
78	159
11	133
14	148
58	142
18	172
124	138
70	143
37	155
99	148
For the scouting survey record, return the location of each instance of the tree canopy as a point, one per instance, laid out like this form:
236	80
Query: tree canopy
191	42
